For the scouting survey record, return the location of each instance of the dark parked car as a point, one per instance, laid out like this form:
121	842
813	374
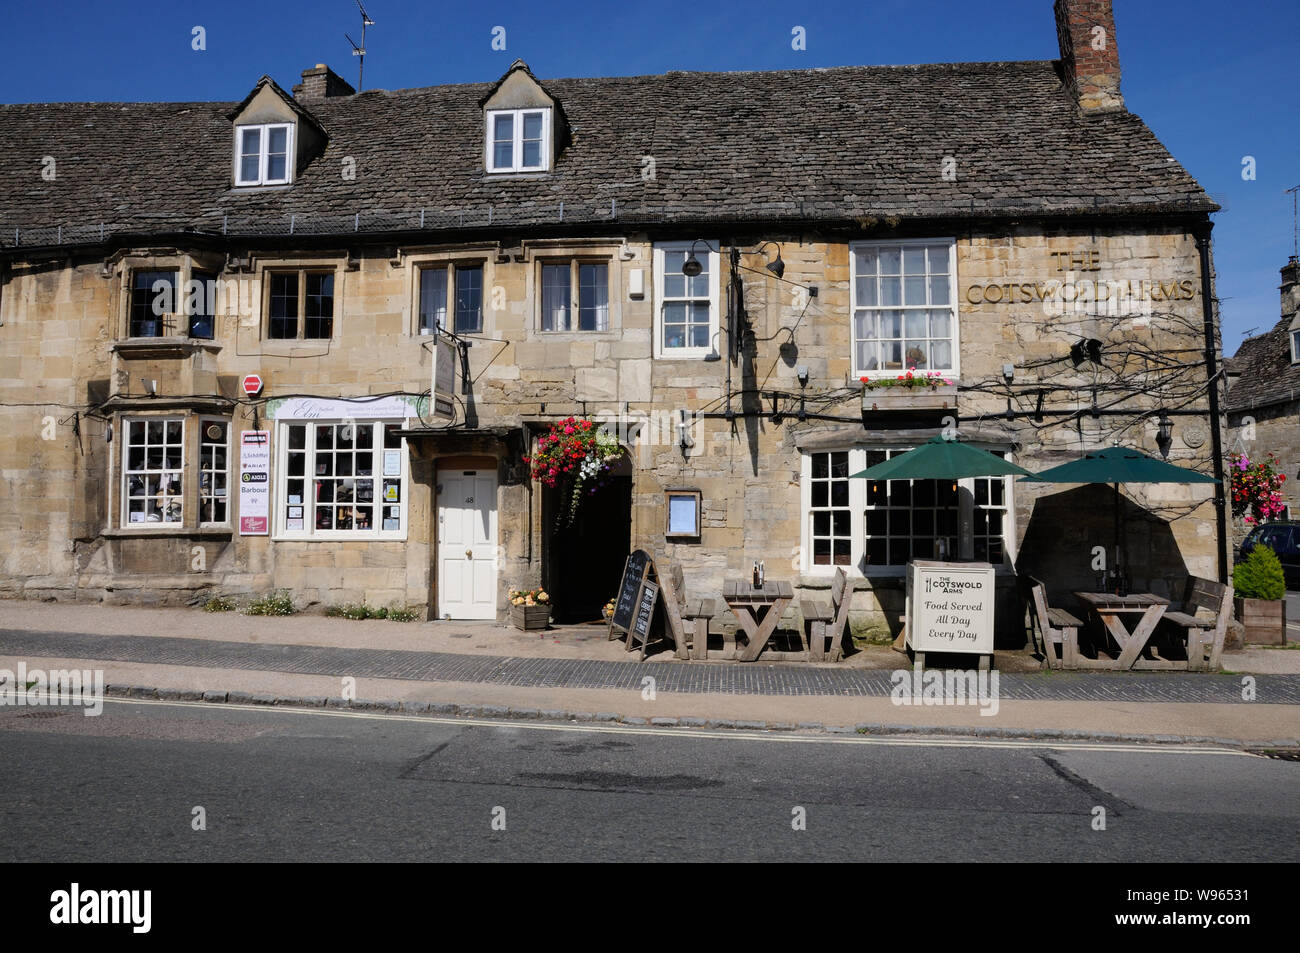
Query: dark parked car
1284	539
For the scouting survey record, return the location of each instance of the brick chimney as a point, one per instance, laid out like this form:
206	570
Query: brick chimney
1089	54
321	81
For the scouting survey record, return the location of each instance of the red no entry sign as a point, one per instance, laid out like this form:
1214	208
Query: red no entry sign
252	385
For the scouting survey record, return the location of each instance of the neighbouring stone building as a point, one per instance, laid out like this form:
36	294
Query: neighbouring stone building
1263	402
1010	226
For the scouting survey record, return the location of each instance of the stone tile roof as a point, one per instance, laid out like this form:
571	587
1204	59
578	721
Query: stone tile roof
1267	375
824	144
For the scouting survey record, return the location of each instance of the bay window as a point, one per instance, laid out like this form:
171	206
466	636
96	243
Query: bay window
153	299
342	479
904	307
153	470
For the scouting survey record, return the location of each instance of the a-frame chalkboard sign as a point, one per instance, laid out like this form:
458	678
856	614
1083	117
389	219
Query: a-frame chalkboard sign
638	592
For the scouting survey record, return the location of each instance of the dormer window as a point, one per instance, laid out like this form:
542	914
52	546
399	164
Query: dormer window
518	140
262	154
1295	347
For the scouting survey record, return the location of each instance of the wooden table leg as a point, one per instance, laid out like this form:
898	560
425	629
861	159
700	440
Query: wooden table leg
1138	638
758	640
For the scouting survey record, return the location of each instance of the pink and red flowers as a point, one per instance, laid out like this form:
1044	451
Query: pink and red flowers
1256	488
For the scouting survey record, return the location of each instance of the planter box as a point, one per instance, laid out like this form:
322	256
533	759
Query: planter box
530	617
909	398
1263	619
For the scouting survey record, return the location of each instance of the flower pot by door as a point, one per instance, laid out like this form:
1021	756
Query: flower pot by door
530	617
1263	619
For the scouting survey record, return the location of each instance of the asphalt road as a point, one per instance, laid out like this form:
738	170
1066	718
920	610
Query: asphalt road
322	786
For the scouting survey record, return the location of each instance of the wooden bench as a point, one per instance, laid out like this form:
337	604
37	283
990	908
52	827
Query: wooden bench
827	621
1204	636
1059	629
680	610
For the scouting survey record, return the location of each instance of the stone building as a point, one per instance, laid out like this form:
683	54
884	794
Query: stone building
1263	402
1011	227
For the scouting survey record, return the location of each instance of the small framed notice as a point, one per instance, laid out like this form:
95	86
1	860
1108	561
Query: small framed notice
392	463
682	508
295	512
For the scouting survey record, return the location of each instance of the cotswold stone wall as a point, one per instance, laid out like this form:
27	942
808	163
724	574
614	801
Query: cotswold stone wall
61	322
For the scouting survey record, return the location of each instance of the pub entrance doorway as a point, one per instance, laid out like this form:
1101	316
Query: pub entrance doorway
583	558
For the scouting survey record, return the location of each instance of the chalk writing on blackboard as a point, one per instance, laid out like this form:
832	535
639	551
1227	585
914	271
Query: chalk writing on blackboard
646	610
625	608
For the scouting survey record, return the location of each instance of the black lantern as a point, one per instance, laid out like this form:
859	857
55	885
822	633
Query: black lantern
1164	434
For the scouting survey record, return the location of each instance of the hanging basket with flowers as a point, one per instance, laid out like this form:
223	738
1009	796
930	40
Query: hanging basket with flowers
1256	488
575	455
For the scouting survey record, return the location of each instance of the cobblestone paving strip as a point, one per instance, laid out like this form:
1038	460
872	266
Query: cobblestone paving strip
693	677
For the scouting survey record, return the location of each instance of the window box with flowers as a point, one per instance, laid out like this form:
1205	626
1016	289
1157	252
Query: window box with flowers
574	456
927	390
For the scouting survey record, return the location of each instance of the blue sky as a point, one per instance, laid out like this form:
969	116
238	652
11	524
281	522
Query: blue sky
1215	81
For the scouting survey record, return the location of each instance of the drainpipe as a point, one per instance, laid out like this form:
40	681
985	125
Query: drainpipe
1212	372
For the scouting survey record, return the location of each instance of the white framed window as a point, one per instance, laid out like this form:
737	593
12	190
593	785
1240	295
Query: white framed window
686	319
214	471
575	295
153	471
880	525
904	306
341	479
264	154
518	140
1295	347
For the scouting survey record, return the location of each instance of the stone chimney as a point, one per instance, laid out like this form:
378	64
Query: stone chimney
1089	54
321	81
1291	288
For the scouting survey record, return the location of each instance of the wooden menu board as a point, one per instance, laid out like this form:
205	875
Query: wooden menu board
638	592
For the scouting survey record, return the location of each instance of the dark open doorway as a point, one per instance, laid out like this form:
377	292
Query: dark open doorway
583	559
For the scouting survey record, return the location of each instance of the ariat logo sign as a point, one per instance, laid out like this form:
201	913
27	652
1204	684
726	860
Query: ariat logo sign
77	906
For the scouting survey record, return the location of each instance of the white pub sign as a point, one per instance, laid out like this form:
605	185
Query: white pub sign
950	607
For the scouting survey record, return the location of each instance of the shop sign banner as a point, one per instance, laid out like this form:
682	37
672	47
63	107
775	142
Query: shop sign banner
950	607
254	482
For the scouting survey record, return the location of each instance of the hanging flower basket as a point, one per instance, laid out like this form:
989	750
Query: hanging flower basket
1256	488
575	455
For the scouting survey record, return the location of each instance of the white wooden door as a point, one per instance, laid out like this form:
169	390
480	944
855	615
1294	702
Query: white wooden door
467	544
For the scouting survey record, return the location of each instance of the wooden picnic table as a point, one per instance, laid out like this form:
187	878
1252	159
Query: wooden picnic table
748	603
1112	610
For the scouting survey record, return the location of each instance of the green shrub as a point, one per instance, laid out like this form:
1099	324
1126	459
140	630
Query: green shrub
219	604
359	610
1259	576
277	603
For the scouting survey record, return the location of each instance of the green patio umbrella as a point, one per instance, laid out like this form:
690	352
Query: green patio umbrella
942	459
1118	465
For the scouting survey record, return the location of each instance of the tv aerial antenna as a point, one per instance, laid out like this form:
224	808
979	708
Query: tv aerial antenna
1295	222
361	50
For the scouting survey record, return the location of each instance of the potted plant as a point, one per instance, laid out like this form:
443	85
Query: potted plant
1259	588
530	608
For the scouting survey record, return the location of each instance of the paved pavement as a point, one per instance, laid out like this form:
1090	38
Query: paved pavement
694	678
493	671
